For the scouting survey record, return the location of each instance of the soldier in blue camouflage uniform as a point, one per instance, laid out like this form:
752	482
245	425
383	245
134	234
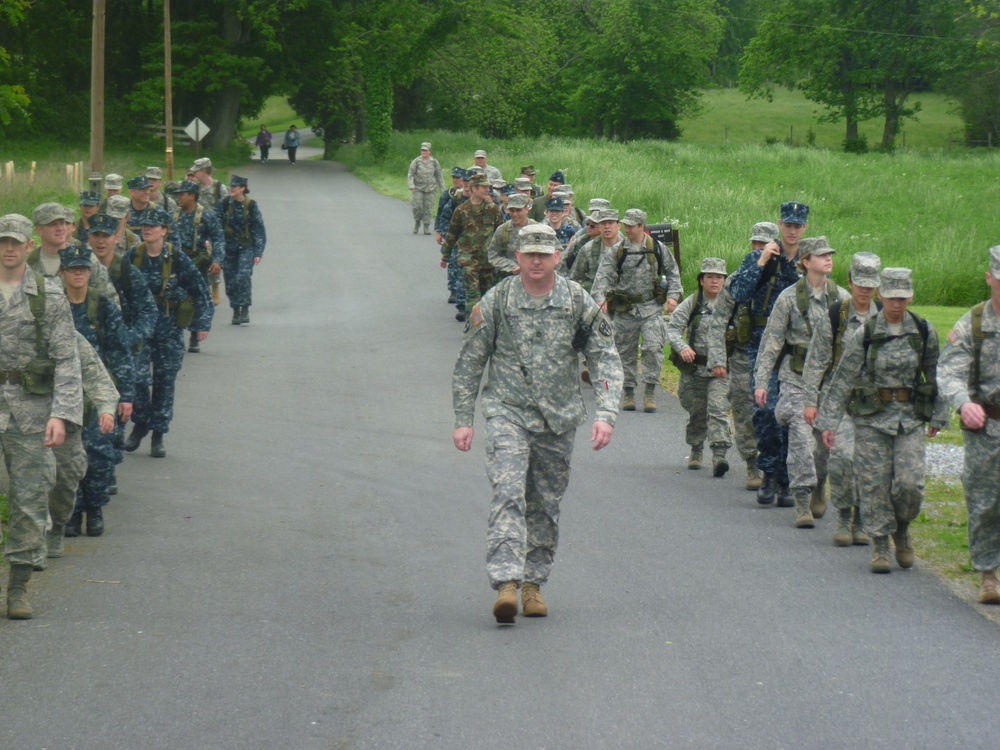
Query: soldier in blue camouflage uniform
969	378
177	289
139	191
89	202
198	233
528	328
537	211
243	227
99	321
455	283
888	375
36	402
763	275
555	217
470	232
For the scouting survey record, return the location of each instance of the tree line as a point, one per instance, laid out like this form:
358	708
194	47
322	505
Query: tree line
616	69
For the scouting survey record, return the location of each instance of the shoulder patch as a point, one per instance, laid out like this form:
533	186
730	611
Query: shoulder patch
603	328
476	317
953	335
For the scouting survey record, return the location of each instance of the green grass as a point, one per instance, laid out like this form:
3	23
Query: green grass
277	114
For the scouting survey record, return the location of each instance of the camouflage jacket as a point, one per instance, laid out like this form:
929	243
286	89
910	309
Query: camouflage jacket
745	287
820	356
210	239
502	247
719	327
564	231
679	330
164	202
243	225
99	279
534	371
425	176
470	231
110	339
446	209
209	196
895	365
18	347
190	283
138	306
637	277
98	386
955	371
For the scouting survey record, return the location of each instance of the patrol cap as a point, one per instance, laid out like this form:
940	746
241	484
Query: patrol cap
425	146
479	179
897	283
15	226
995	261
558	176
89	198
518	201
480	154
538	238
713	265
596	203
865	269
563	190
154	173
201	164
118	206
75	256
529	169
634	217
138	183
555	204
508	190
113	182
457	172
46	213
764	231
794	213
497	184
475	169
815	246
237	181
185	186
522	183
103	224
154	217
605	214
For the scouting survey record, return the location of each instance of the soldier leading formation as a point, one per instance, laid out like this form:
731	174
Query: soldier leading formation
93	318
833	390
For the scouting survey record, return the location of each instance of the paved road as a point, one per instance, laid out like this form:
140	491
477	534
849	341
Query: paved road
305	568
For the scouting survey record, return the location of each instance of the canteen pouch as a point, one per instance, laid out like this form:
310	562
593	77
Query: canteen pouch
617	302
865	401
924	397
731	338
202	261
743	324
661	294
798	359
185	312
38	377
680	364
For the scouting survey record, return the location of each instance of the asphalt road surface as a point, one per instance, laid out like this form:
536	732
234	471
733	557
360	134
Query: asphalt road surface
305	568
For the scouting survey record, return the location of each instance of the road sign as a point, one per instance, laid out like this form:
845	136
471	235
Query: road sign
196	130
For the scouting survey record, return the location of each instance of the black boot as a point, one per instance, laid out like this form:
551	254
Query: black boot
237	315
245	315
193	345
95	521
156	449
785	497
113	487
73	527
765	495
135	437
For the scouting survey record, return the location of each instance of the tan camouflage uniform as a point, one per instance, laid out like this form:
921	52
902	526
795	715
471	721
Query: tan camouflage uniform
424	179
500	252
470	231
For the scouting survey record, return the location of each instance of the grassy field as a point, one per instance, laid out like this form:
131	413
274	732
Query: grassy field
277	114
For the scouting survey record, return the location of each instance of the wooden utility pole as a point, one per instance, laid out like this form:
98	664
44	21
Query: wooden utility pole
168	98
97	98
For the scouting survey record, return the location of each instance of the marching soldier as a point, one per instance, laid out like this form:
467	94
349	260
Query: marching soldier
243	226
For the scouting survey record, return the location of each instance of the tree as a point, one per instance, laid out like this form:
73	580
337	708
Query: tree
13	99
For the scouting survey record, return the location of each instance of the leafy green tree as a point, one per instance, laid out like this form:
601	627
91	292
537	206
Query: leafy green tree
13	98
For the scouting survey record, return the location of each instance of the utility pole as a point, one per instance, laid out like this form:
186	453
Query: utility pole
168	97
97	98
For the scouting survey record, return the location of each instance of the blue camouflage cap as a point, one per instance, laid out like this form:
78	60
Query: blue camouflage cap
75	256
103	224
154	217
138	183
237	181
559	177
457	172
186	186
89	198
794	213
555	204
508	190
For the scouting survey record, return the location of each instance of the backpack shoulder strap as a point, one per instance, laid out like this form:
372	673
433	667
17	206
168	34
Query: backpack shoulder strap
977	345
36	303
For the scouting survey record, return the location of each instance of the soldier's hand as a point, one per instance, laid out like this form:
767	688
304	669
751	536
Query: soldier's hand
973	416
809	414
439	237
462	437
256	261
124	412
760	397
106	423
719	372
829	439
671	305
603	306
444	263
688	354
55	432
771	250
601	434
215	269
202	335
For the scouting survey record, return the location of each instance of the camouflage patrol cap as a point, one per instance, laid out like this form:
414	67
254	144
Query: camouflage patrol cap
995	261
200	164
457	172
605	214
118	206
555	203
815	246
103	224
634	217
237	181
529	169
865	269
475	169
480	154
596	203
138	183
89	198
538	238
563	190
425	146
113	182
764	231
497	184
15	226
794	213
185	187
518	201
479	179
522	183
47	213
713	265
558	176
897	283
154	173
75	256
155	217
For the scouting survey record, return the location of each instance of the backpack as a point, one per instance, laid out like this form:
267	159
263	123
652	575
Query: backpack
978	336
184	308
38	377
924	393
651	247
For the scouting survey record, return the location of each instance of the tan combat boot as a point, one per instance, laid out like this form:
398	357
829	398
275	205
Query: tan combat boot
803	516
649	398
989	589
719	463
753	475
904	547
54	542
505	606
817	501
17	603
628	402
858	536
694	457
842	536
532	603
880	555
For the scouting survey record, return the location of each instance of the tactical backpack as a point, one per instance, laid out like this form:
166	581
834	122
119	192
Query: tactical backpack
799	351
184	308
245	237
38	377
202	260
651	247
866	400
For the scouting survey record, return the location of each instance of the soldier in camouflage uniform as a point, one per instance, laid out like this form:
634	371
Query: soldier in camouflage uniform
969	378
158	198
590	231
112	186
763	275
644	282
180	293
784	347
125	238
574	215
37	399
703	396
243	226
825	349
555	217
529	172
424	179
537	211
212	191
728	338
502	252
587	258
455	283
470	231
491	172
198	233
530	329
888	373
139	191
89	202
